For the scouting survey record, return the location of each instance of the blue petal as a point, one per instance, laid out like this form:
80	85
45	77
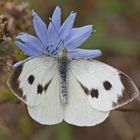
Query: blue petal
54	27
67	26
40	28
30	45
82	53
56	19
21	62
78	36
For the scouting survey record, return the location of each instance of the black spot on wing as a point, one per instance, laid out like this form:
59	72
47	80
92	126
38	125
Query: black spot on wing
94	93
39	89
107	85
47	85
85	89
14	82
129	92
31	79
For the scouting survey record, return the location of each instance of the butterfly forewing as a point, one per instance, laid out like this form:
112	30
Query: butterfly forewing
105	87
30	80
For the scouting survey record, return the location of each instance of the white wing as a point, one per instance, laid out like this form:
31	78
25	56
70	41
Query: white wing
105	87
36	83
30	81
78	110
50	111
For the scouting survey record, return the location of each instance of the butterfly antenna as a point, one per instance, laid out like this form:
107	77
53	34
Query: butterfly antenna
61	40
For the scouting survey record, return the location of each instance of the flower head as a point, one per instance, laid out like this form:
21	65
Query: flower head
48	39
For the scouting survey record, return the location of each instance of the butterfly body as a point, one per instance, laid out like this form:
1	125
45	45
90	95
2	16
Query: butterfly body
80	91
59	82
63	63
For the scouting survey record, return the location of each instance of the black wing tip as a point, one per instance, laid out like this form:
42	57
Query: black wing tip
13	82
130	91
129	85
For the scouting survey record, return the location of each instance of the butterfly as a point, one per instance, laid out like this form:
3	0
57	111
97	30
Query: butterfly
80	90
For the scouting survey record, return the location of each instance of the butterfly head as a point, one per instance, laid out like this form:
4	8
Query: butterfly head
63	53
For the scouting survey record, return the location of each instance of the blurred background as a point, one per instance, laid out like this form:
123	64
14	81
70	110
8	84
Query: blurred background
117	25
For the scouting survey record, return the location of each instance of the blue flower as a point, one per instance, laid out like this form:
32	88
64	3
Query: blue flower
48	39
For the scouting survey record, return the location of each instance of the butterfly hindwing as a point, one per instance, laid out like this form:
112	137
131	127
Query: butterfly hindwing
106	88
78	110
50	110
30	80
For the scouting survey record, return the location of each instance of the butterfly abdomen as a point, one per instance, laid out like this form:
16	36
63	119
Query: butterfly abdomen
63	67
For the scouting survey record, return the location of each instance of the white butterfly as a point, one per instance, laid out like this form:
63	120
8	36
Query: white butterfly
80	91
